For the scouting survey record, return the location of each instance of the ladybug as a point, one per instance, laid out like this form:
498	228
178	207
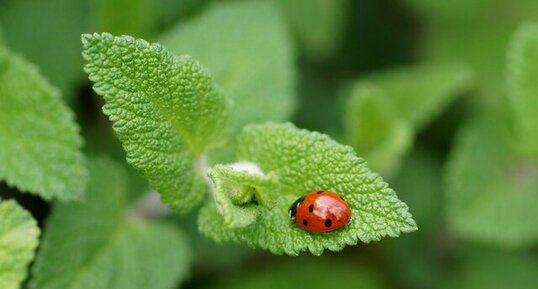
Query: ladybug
320	211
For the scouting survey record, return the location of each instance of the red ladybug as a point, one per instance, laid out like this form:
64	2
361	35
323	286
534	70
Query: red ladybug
320	211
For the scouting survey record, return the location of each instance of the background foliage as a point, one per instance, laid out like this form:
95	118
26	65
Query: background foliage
439	98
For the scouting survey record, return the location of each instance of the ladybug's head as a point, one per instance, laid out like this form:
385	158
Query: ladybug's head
293	208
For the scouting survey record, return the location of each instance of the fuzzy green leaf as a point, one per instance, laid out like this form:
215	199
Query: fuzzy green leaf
238	190
318	25
491	188
166	111
39	140
93	245
19	236
386	109
245	46
304	161
522	76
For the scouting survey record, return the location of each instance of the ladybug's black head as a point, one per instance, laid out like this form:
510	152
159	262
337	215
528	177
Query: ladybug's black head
293	208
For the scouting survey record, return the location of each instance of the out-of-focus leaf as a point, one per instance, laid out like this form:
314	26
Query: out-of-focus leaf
305	273
522	77
491	188
420	93
132	17
93	245
39	140
477	33
374	128
385	109
245	46
19	236
419	185
304	161
490	269
166	111
318	25
47	34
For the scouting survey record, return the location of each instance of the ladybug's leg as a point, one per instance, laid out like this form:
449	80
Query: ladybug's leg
293	208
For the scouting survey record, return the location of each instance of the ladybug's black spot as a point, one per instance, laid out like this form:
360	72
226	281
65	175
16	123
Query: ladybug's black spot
320	192
311	208
328	223
305	222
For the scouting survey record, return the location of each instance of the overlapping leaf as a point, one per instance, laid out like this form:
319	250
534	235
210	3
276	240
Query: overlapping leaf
238	192
39	140
166	111
304	161
19	235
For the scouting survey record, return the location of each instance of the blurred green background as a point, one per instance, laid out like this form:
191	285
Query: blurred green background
471	188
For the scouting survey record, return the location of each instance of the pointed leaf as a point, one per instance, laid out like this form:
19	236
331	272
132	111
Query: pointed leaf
304	161
19	235
39	140
166	111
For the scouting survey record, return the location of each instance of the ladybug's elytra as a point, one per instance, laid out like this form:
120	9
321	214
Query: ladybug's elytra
320	211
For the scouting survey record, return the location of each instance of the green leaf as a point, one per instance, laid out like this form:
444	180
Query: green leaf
19	236
93	245
492	189
46	33
522	73
419	185
420	93
374	128
133	17
304	273
318	25
245	46
460	30
166	111
385	110
238	190
304	161
494	269
39	140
